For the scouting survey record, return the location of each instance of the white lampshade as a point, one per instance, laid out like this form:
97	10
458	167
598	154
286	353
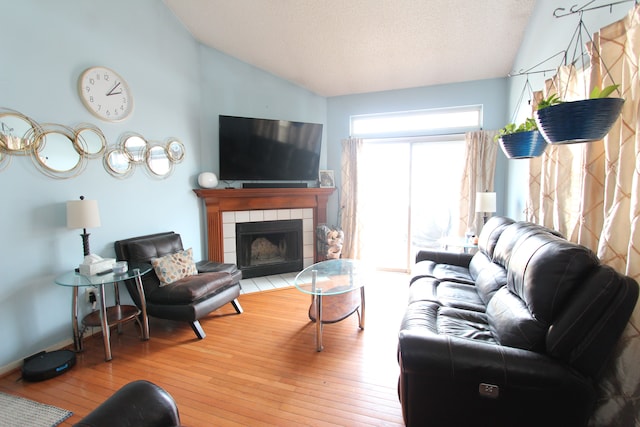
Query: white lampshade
83	214
485	202
208	180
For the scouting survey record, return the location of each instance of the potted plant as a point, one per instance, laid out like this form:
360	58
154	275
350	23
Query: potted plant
521	141
586	120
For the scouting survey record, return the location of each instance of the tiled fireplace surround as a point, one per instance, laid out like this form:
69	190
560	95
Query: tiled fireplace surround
226	207
230	219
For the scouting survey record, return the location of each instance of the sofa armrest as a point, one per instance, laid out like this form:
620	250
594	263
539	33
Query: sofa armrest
426	353
206	266
506	386
444	257
139	403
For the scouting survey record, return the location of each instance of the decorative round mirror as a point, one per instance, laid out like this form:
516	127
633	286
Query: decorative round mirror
55	153
158	162
90	140
16	132
117	163
135	146
176	150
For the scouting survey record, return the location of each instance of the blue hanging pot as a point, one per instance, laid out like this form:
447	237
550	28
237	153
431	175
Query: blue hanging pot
573	122
523	145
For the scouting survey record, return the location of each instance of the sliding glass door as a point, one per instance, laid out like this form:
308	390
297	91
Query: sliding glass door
384	191
409	191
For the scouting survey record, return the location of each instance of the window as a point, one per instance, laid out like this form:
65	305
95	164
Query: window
420	122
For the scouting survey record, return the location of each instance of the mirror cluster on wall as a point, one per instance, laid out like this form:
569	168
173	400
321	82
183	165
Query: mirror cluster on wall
132	150
62	152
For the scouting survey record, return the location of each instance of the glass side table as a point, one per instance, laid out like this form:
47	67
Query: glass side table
458	242
337	291
106	316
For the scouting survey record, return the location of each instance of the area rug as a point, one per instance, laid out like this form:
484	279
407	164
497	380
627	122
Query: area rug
17	411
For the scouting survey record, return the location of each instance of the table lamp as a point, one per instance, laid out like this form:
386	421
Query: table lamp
485	204
83	214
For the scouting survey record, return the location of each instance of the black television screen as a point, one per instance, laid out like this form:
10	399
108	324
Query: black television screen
268	150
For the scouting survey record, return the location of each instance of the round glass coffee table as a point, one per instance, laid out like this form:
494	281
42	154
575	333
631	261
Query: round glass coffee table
337	291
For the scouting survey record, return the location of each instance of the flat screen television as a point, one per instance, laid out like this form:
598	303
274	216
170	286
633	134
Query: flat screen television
268	150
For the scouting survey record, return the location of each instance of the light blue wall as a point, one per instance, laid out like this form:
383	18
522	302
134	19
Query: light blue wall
231	87
544	37
51	44
491	94
179	88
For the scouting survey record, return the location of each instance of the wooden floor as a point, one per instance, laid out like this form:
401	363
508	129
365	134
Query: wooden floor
257	368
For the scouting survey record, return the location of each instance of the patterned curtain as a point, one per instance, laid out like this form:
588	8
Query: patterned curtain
603	180
478	176
350	215
619	243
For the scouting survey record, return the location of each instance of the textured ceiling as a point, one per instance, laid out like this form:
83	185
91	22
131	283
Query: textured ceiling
341	47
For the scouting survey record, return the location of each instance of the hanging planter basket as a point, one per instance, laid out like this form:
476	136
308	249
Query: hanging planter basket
573	122
523	145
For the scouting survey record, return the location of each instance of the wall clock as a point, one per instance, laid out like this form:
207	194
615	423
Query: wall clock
105	94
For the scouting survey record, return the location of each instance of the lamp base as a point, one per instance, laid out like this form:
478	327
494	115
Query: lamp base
85	242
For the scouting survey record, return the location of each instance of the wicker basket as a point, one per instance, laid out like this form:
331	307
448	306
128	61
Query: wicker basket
523	145
578	121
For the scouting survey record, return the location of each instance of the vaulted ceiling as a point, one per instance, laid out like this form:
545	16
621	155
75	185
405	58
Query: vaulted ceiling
342	47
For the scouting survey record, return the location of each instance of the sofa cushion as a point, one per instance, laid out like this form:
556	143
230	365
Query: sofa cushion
446	293
173	267
513	234
441	271
544	271
489	280
431	317
490	234
512	323
191	288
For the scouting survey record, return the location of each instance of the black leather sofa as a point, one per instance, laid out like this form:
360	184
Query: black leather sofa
137	404
516	334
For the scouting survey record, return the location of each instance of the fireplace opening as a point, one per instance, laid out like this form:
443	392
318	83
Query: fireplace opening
269	247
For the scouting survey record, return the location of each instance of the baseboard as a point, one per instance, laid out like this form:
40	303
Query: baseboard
68	343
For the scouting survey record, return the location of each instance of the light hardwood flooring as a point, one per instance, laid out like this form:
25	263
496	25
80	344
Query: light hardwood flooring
257	368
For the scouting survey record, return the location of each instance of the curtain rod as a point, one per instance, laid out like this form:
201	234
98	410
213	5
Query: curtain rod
530	69
558	12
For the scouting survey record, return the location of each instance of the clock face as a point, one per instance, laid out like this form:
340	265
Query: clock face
105	94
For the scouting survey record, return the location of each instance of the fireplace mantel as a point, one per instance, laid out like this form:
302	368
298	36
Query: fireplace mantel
218	201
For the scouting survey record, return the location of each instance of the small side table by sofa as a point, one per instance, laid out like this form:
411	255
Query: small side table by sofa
106	316
459	242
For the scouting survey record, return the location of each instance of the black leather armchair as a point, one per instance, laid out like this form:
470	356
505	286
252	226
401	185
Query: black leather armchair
188	299
137	404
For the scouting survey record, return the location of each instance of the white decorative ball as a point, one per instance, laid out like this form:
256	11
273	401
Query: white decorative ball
208	180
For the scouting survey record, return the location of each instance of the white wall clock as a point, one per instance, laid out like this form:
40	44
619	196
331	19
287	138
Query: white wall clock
105	94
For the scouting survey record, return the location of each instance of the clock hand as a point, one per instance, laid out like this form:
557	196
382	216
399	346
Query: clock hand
111	92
